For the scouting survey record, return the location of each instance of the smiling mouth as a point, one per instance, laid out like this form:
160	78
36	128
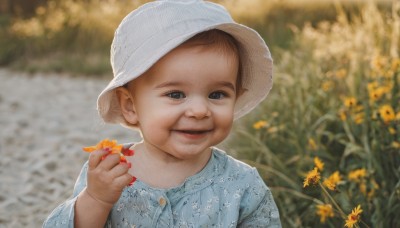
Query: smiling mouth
192	132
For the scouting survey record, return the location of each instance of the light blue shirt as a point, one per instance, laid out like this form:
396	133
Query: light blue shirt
226	193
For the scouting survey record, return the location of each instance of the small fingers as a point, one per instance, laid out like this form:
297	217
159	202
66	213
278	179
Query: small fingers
119	170
124	180
96	157
110	161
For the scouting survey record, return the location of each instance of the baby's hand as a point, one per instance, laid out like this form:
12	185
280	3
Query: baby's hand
108	172
107	177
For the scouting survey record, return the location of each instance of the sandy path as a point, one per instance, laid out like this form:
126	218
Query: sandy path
44	122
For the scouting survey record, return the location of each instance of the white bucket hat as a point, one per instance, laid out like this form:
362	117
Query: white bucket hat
154	29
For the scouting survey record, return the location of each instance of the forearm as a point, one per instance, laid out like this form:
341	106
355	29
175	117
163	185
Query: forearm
90	212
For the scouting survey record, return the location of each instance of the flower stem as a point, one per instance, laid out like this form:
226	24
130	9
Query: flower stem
333	200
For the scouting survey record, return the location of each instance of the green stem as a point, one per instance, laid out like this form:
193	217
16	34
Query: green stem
333	200
347	130
364	223
297	193
337	206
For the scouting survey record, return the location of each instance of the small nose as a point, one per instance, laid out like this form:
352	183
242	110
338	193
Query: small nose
198	108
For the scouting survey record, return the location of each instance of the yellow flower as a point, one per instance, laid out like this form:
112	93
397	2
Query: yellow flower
392	131
396	145
311	143
332	180
379	62
329	184
356	113
340	74
327	85
312	177
357	175
353	217
358	108
376	94
398	116
318	164
374	187
359	118
342	115
387	113
350	102
377	91
324	211
395	64
260	124
389	74
372	86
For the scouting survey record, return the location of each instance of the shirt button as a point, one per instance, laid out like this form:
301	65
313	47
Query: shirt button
162	202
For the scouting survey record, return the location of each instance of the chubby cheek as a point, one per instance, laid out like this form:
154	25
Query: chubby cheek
224	124
155	124
152	133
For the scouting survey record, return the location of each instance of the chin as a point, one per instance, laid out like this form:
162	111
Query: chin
188	152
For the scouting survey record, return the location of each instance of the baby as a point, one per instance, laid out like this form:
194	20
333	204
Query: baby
183	72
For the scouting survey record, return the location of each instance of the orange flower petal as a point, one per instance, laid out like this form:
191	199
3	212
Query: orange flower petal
112	147
89	149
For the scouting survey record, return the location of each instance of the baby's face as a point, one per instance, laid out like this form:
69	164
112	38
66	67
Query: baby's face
185	103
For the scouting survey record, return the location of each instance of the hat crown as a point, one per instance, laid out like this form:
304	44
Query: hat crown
135	35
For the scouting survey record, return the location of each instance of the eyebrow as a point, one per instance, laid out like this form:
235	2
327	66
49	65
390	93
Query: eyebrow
174	83
168	84
228	85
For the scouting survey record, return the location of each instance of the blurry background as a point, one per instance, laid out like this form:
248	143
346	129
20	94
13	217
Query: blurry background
74	36
335	97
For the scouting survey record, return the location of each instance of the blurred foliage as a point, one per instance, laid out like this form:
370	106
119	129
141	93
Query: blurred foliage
75	35
20	8
63	36
336	97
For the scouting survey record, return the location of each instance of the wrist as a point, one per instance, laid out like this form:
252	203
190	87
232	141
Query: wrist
90	212
95	201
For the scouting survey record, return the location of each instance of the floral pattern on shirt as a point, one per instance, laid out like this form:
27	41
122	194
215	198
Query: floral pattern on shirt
226	193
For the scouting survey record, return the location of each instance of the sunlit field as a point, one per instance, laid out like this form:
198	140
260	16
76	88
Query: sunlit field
75	35
327	139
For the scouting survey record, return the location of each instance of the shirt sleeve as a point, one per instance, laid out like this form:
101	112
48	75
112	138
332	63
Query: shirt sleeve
63	215
259	208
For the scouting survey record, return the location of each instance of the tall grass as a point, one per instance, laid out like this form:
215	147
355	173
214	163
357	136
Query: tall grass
75	35
72	36
336	97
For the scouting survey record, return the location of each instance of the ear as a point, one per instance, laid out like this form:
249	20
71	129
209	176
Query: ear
127	105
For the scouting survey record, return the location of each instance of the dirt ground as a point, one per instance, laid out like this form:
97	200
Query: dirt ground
45	120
